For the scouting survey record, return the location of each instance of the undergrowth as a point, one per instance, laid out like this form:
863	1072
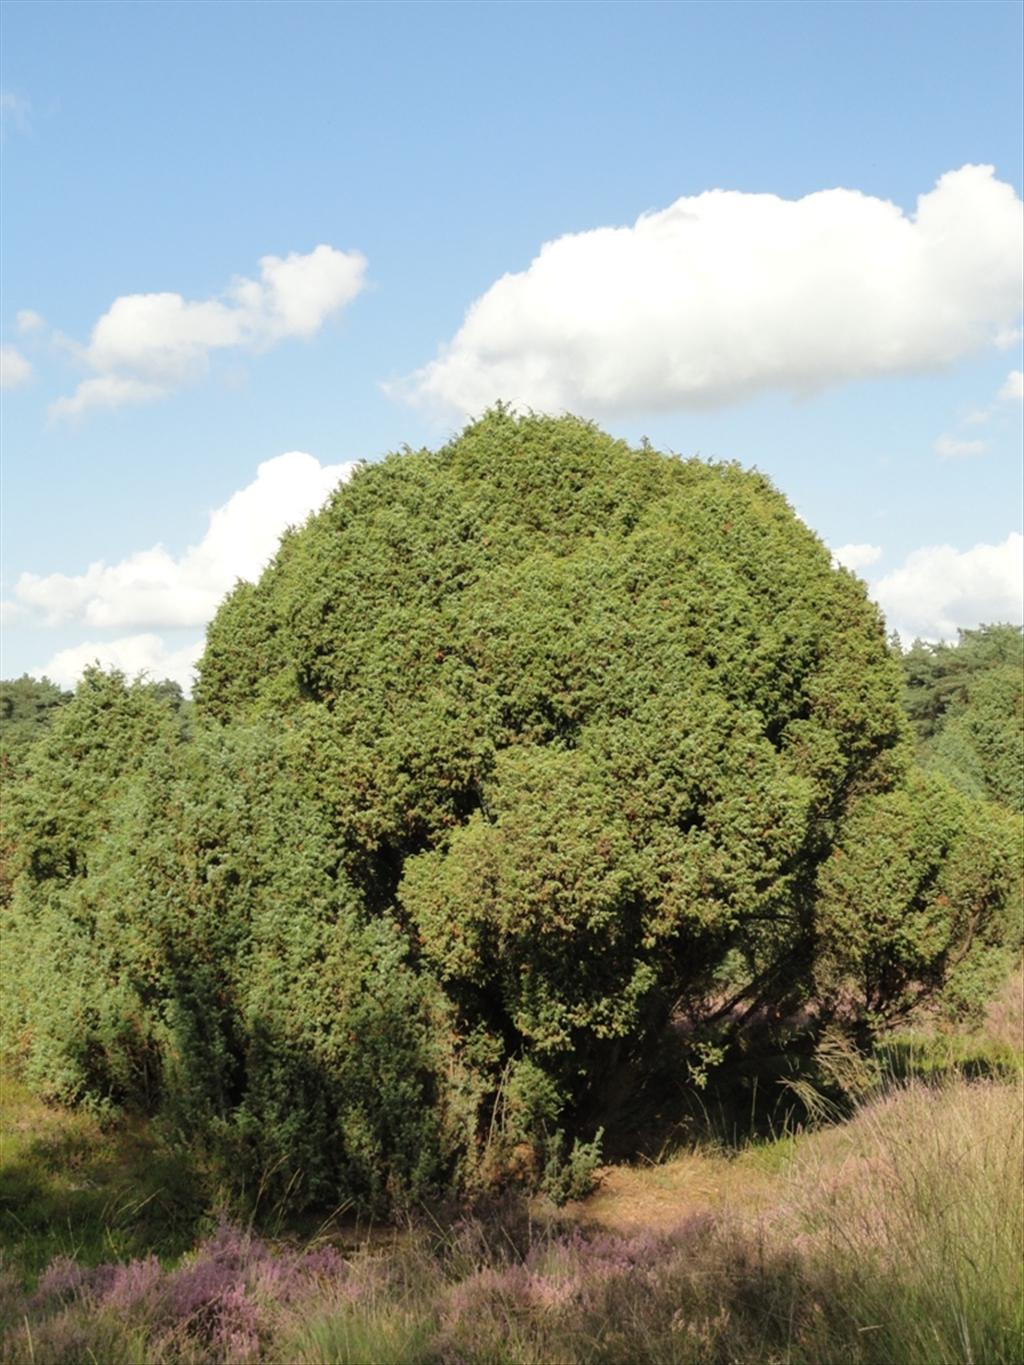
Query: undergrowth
886	1226
887	1238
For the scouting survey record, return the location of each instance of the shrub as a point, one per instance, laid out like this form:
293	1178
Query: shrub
587	719
966	704
70	1005
918	896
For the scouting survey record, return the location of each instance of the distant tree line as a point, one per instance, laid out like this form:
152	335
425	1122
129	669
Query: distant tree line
518	754
966	705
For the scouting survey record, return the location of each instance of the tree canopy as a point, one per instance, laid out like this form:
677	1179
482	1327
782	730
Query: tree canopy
26	707
966	704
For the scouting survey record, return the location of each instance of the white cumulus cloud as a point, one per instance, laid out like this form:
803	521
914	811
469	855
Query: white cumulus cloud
15	370
132	654
725	294
953	448
154	588
107	391
857	557
939	588
146	345
1013	389
28	320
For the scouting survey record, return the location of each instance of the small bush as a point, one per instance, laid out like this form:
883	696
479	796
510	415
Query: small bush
572	1174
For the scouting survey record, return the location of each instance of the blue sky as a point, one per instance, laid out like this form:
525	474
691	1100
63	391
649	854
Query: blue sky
237	231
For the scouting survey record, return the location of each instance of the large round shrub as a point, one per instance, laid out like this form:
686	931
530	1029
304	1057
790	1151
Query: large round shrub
585	719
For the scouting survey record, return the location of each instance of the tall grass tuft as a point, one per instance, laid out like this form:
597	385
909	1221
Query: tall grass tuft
913	1210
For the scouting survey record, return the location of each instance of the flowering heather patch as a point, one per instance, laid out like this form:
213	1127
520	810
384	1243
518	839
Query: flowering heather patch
238	1300
132	1284
220	1304
62	1278
208	1299
571	1294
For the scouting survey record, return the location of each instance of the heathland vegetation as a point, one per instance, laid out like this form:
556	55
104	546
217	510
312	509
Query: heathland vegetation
546	801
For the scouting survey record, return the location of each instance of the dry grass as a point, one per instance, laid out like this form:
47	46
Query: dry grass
659	1195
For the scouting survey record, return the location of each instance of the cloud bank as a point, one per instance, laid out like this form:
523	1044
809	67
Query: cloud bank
727	294
154	588
133	654
857	557
146	345
939	589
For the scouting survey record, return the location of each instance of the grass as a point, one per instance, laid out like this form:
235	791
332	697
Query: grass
895	1235
70	1187
912	1208
995	1048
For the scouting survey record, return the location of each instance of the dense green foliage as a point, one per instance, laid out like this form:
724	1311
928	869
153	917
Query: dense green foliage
966	703
517	752
26	707
909	899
